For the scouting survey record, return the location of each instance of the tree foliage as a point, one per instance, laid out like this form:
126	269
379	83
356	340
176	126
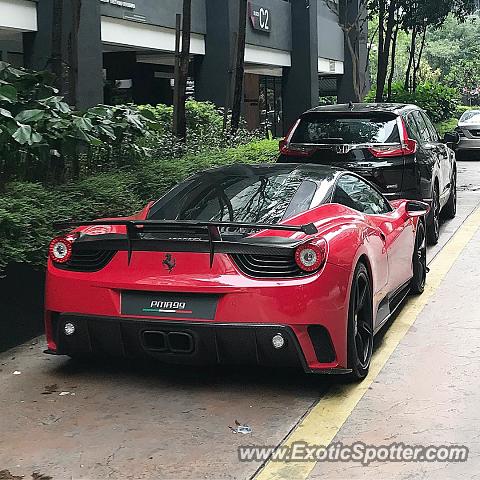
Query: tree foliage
440	102
415	17
454	50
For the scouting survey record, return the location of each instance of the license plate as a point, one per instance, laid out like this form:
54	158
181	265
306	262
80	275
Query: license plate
169	305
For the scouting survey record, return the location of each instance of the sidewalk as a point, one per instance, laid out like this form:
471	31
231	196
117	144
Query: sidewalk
428	393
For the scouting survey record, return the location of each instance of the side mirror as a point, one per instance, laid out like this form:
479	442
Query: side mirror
416	209
451	138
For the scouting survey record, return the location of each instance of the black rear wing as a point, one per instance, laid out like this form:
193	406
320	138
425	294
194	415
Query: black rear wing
196	236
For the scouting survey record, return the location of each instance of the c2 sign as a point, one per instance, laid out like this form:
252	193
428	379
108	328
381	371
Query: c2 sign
260	17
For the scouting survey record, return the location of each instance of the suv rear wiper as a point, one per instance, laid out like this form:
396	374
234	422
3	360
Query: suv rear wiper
331	140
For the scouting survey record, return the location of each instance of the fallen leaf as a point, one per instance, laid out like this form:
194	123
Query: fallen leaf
49	389
40	476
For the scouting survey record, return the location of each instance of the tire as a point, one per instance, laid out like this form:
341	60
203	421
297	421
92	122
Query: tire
417	285
450	210
360	325
433	223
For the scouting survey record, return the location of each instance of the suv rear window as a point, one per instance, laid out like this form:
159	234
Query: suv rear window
472	116
332	129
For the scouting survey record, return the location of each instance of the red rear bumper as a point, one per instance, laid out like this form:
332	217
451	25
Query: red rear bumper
250	307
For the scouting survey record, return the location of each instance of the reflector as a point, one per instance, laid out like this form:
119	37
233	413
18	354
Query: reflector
278	341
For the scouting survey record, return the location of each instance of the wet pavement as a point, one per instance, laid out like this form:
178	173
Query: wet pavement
136	421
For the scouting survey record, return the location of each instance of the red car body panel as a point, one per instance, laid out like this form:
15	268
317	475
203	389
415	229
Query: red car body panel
384	242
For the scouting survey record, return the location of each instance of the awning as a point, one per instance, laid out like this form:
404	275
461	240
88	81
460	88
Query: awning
142	36
18	15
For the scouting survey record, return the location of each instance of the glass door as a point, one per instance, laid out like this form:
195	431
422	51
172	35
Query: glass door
271	106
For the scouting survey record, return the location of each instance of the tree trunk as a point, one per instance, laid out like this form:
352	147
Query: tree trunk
419	61
180	126
354	55
413	47
392	66
239	67
381	45
384	50
73	53
56	60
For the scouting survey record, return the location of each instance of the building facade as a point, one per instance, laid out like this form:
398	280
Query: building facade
124	51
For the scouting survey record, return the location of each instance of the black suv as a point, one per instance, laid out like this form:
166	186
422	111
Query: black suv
395	147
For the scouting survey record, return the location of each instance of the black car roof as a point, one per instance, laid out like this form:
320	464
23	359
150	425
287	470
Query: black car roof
318	173
264	168
394	108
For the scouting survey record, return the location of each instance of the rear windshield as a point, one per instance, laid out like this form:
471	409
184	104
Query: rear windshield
473	116
348	129
253	197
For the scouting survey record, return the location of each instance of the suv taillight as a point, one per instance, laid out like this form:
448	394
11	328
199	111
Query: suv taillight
406	148
409	147
295	150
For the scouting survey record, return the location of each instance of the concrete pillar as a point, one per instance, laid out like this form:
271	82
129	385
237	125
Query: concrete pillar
213	71
300	88
84	61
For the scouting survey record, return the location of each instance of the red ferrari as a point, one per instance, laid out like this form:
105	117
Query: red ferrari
276	265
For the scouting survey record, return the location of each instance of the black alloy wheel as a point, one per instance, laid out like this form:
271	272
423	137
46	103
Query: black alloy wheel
360	325
433	230
420	268
450	210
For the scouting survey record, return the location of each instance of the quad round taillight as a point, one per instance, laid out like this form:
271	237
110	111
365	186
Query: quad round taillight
310	257
60	249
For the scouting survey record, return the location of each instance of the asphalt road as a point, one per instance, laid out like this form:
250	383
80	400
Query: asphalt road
126	420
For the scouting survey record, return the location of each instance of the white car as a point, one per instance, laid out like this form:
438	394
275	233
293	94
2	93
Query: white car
469	131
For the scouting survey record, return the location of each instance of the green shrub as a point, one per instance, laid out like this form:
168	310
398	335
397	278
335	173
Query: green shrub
41	136
461	109
447	126
205	131
28	210
201	116
25	217
154	177
451	124
438	101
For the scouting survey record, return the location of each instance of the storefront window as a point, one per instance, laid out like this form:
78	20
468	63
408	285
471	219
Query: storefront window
271	106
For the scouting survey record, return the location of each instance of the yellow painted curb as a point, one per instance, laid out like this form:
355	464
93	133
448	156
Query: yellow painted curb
324	421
